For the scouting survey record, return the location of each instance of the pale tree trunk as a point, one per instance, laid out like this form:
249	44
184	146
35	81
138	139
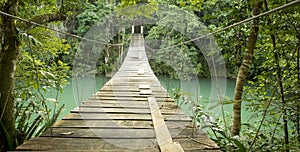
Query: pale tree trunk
8	59
243	71
239	48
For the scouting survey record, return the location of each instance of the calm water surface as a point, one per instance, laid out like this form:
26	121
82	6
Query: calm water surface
202	89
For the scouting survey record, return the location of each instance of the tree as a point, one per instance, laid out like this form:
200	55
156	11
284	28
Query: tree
10	44
243	71
8	58
279	75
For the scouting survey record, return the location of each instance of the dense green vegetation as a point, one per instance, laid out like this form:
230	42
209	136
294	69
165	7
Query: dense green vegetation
35	60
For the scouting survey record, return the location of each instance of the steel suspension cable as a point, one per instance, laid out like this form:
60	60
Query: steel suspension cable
209	34
58	31
237	23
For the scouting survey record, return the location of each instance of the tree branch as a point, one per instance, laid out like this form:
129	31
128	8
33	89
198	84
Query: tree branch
43	19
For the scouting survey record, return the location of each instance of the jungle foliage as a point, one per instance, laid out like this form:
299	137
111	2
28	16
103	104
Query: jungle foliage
35	60
272	93
30	66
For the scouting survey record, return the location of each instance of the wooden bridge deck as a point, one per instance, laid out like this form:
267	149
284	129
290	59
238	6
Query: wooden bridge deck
132	112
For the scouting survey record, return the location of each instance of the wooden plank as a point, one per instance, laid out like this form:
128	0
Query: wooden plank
169	108
134	104
129	94
134	87
166	108
130	74
103	133
142	54
78	144
144	98
130	89
178	133
163	136
127	90
144	86
160	101
97	116
70	131
110	110
104	123
123	80
149	92
119	98
115	103
123	110
141	71
133	75
133	79
197	144
122	83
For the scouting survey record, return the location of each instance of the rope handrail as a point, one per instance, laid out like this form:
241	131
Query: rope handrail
58	31
235	24
211	33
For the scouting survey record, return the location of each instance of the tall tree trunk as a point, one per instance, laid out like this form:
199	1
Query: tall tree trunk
8	59
239	48
298	78
243	71
281	89
9	51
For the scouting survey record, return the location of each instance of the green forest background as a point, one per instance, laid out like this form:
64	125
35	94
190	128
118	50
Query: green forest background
264	53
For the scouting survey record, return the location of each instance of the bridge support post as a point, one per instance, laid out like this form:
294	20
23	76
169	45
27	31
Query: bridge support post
132	28
137	26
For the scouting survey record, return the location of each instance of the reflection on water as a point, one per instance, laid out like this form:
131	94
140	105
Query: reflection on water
77	91
206	91
202	90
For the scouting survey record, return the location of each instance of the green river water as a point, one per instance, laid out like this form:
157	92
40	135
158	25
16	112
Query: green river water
203	88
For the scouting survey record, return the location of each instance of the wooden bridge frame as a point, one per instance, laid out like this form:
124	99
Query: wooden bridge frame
137	26
132	112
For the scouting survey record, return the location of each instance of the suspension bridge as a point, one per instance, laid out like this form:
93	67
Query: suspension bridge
131	112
